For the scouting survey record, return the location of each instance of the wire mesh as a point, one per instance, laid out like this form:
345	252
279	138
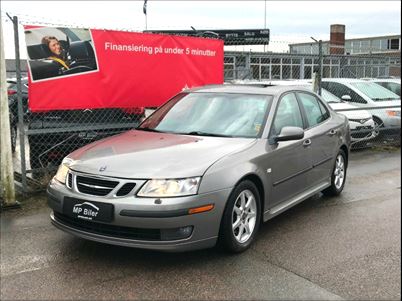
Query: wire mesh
361	86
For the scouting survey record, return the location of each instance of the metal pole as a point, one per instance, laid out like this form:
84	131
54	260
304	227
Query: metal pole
319	66
6	163
265	17
21	128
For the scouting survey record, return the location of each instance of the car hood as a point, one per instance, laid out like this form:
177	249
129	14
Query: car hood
388	103
358	114
144	155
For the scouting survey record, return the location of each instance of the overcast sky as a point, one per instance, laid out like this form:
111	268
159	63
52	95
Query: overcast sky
289	21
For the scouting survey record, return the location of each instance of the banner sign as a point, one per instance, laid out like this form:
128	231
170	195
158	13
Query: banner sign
73	68
229	36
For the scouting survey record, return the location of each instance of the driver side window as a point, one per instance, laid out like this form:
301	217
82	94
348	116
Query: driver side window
287	114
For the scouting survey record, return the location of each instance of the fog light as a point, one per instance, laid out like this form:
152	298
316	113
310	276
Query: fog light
176	233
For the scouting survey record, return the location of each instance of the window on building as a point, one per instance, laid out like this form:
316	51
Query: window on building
240	61
286	72
255	71
307	72
265	72
393	44
295	72
276	71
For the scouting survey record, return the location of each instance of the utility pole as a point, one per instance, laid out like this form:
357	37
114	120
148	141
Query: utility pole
6	163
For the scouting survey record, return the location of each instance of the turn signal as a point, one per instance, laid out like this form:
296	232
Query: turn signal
200	209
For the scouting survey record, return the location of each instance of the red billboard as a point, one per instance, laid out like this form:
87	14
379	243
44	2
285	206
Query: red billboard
73	68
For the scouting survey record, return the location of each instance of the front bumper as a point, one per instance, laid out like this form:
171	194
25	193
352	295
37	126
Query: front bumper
362	131
145	211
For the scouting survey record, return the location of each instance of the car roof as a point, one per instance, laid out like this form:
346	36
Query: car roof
345	80
387	80
249	88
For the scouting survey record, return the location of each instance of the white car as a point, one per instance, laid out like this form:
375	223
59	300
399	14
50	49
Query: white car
384	105
362	126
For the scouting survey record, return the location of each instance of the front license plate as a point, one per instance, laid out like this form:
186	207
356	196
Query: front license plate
88	210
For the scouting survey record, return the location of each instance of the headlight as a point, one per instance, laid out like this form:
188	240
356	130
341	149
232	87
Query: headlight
61	174
170	188
394	113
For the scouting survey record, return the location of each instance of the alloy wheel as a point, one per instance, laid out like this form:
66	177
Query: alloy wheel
339	171
244	216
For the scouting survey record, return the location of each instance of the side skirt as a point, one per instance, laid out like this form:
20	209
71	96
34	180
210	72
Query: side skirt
278	209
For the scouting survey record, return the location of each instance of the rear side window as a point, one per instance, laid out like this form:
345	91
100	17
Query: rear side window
315	111
287	114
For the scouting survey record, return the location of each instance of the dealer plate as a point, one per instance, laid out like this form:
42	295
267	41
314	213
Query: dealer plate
88	210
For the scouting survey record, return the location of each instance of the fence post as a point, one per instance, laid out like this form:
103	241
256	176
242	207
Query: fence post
21	128
6	163
319	66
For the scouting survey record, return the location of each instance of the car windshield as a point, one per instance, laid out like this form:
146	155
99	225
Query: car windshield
375	91
211	114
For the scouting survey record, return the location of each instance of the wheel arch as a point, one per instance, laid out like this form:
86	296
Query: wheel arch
256	180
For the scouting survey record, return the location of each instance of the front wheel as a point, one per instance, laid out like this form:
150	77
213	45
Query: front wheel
241	219
338	175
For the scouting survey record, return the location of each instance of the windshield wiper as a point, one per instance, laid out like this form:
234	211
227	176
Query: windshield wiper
199	133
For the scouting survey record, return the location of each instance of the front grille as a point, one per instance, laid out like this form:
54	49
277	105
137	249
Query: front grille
125	189
95	186
108	230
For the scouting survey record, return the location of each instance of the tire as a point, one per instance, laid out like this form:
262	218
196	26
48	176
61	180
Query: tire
378	124
338	176
245	193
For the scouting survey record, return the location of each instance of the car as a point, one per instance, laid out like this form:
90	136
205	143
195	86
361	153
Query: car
384	105
362	127
206	168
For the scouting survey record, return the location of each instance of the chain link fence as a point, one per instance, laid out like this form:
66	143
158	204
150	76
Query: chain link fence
371	104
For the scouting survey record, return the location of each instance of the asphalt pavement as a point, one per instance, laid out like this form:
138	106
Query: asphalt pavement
348	247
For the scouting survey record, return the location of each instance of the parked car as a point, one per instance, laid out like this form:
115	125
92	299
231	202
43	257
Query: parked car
208	166
366	94
361	122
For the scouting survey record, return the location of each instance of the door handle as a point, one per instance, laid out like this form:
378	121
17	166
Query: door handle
332	132
307	142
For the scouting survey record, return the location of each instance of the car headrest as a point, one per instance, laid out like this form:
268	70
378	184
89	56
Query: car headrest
81	50
39	51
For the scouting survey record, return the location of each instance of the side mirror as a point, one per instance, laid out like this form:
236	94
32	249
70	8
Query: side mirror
290	133
346	98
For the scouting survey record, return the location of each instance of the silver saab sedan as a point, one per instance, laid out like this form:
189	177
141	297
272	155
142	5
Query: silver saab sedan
207	167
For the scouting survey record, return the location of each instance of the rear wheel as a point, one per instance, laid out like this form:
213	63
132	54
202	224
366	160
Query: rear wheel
338	175
241	218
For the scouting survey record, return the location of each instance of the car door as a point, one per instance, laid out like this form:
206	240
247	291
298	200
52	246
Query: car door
323	135
289	162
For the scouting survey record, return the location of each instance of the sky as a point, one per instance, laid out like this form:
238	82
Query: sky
288	21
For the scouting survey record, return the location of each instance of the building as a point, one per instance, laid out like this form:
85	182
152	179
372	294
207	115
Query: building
384	45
